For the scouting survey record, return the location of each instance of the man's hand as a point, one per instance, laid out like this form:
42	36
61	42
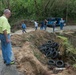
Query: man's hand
6	36
8	40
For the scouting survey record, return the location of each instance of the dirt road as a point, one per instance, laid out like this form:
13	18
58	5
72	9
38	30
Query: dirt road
49	29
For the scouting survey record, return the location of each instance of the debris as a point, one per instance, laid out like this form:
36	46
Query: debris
57	70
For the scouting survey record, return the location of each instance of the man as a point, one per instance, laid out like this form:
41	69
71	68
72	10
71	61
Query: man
23	27
36	25
5	38
42	25
61	24
54	25
45	23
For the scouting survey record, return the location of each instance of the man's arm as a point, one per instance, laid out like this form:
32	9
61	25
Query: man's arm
6	36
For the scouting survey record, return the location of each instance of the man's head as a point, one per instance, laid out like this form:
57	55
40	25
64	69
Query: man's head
61	18
46	20
23	22
7	13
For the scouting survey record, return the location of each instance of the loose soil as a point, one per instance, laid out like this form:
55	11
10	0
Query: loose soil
29	59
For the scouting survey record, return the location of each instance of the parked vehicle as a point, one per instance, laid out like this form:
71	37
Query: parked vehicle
56	21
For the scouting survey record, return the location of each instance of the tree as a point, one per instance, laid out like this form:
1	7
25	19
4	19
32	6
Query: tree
40	9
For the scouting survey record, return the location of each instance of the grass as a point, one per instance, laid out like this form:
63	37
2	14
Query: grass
74	66
37	55
70	50
68	44
63	38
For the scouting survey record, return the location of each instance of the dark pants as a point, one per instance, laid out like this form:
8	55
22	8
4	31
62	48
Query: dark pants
61	26
41	28
24	30
36	28
45	27
53	28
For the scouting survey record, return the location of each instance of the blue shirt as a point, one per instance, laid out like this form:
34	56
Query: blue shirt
23	26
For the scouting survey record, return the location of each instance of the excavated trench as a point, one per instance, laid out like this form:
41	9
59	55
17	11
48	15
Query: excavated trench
30	60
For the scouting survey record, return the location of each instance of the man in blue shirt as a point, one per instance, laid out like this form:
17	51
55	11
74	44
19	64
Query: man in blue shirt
23	27
61	24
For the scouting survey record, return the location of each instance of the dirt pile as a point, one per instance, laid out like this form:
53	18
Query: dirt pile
28	55
36	38
28	63
29	59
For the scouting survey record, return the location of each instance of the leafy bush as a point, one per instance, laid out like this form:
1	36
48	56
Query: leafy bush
70	50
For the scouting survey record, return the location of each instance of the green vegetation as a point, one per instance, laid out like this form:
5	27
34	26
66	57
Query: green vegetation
69	46
74	66
63	38
39	9
70	50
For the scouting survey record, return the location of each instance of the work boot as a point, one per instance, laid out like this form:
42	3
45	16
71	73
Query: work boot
4	62
11	63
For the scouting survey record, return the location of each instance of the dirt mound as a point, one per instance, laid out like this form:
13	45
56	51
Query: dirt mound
29	59
36	38
28	56
28	63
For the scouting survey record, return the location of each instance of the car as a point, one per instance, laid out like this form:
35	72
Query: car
56	21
